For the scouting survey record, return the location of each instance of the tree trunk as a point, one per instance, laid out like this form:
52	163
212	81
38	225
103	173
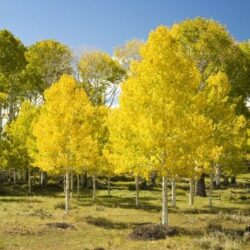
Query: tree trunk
211	189
136	191
67	193
108	185
201	188
94	188
64	184
1	119
191	192
164	219
41	178
217	176
29	180
71	185
14	177
173	193
233	180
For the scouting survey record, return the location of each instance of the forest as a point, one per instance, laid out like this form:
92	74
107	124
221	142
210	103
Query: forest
147	148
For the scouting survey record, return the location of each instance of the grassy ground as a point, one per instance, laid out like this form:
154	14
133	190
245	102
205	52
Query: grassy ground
107	223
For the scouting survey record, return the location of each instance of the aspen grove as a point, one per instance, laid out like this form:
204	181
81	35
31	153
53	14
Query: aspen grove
172	107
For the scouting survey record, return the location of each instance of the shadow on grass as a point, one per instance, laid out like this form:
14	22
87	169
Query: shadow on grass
20	200
109	224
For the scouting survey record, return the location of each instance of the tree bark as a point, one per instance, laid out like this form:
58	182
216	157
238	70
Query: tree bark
41	178
173	193
191	192
64	184
136	191
108	185
67	194
94	188
211	190
201	188
1	119
217	176
164	219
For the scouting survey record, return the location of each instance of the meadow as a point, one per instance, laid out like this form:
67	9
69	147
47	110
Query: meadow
38	221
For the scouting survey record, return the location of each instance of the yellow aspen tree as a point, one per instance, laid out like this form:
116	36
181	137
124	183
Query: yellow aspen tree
229	129
159	94
64	131
21	139
124	151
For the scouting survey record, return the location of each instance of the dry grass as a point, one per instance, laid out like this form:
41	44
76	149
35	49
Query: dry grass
107	223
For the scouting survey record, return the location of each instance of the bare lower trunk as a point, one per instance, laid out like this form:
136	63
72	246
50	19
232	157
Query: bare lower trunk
41	178
71	185
211	189
78	184
200	187
14	177
29	180
217	176
136	191
1	119
64	184
191	192
67	193
164	219
108	185
94	188
173	193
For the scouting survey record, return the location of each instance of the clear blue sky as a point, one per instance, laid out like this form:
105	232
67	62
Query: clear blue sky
104	24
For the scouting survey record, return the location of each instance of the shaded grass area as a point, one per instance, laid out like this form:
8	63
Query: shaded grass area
38	221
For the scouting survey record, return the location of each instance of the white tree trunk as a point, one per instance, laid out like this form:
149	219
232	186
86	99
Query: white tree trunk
173	193
217	175
191	191
211	189
1	119
164	219
108	185
41	178
136	191
64	184
94	188
67	193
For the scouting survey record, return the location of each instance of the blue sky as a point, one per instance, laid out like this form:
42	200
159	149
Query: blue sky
104	24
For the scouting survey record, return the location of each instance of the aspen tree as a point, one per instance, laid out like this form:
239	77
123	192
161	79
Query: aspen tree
64	134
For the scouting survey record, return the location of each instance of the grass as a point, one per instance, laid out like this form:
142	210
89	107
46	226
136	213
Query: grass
29	222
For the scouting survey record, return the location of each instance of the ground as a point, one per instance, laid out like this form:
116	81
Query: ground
27	222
